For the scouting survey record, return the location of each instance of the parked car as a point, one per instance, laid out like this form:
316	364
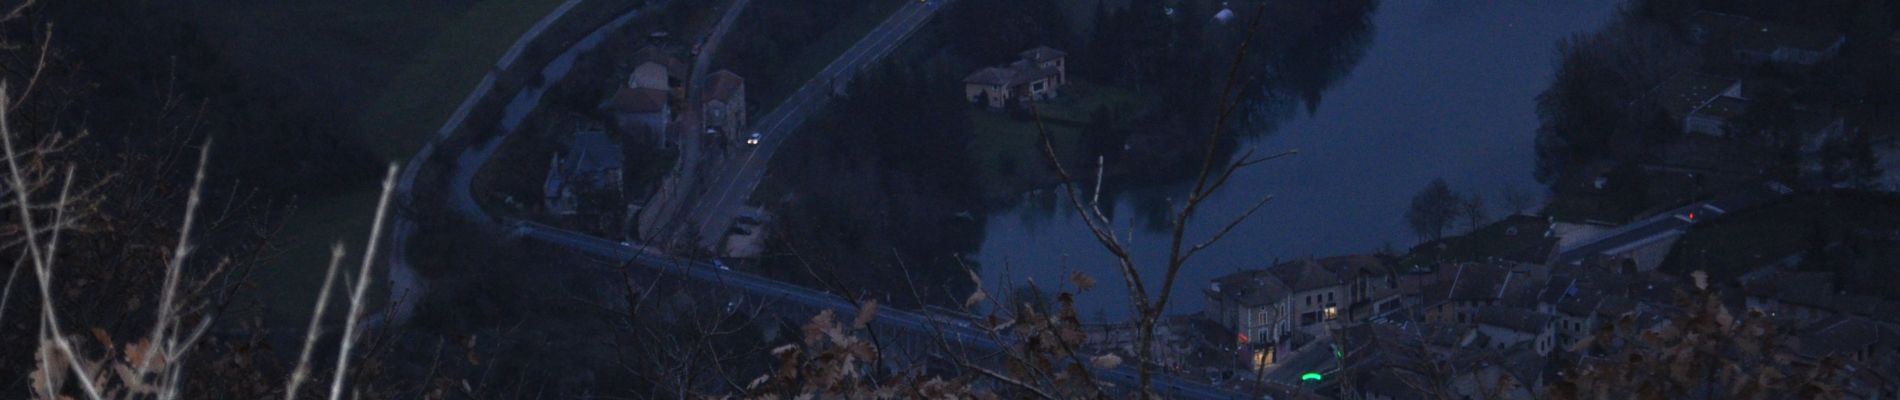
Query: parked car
754	139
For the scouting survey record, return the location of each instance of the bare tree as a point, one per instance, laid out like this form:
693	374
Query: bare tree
1434	209
1146	304
1516	199
1473	210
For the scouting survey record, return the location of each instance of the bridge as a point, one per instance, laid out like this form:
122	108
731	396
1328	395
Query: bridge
914	324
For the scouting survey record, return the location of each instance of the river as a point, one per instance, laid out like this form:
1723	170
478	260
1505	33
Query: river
1444	88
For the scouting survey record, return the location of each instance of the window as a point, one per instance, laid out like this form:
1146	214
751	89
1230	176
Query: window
1332	312
1329	297
1037	86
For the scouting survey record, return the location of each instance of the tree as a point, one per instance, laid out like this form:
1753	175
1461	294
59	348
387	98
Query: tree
1516	199
1434	209
1473	209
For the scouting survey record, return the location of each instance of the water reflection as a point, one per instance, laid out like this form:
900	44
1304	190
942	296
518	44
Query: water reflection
1380	97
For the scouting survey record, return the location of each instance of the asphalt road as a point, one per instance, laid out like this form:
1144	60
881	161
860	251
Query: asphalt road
735	180
772	290
1667	223
1316	357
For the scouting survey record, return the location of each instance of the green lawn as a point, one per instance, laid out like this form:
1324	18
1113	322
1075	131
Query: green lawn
424	91
288	284
1007	150
1080	99
398	67
1732	246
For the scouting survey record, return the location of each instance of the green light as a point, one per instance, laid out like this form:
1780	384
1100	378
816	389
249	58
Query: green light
1310	376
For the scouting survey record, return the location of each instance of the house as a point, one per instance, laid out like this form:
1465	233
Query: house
1512	374
591	165
1800	297
1519	238
1036	76
1181	342
654	69
1703	103
724	110
641	112
643	106
1509	326
1475	285
1266	308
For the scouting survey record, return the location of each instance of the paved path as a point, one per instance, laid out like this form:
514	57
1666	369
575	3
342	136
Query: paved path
907	321
1670	223
679	189
735	180
404	284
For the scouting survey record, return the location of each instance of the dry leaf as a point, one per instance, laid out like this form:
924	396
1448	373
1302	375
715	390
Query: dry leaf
1701	279
865	314
103	338
1106	361
977	295
782	349
1081	280
817	326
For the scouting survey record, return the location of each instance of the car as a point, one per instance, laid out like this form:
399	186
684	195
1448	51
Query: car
721	264
754	139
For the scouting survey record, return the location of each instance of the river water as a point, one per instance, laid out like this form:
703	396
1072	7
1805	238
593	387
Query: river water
1445	88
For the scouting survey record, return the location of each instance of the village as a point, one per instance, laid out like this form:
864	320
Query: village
1497	312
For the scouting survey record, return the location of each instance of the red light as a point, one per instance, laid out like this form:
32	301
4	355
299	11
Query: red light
1243	338
1691	215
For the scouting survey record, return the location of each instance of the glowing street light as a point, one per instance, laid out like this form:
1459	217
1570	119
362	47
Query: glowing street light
1310	376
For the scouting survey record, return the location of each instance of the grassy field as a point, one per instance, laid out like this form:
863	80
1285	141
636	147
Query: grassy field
393	69
288	284
427	89
1006	149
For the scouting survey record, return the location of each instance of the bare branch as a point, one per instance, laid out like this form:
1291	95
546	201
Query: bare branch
362	284
316	319
1229	227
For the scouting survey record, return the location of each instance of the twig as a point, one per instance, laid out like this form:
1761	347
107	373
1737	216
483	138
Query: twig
362	284
310	336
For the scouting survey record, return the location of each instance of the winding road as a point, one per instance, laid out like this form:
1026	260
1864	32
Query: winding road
733	181
892	318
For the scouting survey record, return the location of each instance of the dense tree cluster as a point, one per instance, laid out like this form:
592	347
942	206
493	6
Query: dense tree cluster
882	180
1602	105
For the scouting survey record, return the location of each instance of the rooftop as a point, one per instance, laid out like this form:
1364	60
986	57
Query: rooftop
638	100
724	85
1513	318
